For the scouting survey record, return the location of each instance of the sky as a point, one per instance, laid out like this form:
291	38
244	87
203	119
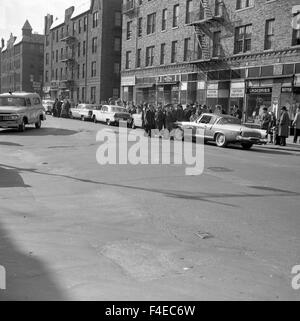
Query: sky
13	14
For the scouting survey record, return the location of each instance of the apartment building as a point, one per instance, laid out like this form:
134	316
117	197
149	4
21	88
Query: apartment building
22	59
83	52
243	52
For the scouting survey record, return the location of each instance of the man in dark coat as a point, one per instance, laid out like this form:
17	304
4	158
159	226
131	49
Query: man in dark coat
159	118
149	120
170	118
284	123
265	119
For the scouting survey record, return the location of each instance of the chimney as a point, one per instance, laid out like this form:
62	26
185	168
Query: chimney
2	43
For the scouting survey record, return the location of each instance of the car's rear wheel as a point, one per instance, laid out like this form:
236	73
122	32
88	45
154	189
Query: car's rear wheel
22	127
221	140
38	124
247	145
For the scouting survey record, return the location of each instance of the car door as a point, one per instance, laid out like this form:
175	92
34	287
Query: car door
29	110
203	124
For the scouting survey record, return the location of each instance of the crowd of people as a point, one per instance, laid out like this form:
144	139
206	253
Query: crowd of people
163	117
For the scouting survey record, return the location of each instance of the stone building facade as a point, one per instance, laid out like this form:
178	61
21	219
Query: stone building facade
230	52
22	62
83	52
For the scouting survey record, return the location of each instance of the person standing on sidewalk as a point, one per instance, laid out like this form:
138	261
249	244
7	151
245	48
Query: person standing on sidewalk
296	124
284	124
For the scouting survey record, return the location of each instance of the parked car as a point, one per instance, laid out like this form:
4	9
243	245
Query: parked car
20	109
224	130
48	106
83	111
112	115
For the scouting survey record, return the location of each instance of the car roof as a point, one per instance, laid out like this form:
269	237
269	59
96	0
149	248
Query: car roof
216	115
116	106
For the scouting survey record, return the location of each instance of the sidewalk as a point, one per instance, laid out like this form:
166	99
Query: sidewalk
290	146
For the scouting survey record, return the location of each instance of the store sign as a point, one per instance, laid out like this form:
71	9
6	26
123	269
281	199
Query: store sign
201	85
54	85
128	81
212	93
36	84
237	93
261	90
286	89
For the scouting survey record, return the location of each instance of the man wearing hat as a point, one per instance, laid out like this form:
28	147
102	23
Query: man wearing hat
284	123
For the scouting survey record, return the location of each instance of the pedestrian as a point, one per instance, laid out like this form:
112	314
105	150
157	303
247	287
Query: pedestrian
272	127
284	123
195	116
54	109
149	120
169	118
179	113
58	108
296	124
187	113
218	110
265	119
159	118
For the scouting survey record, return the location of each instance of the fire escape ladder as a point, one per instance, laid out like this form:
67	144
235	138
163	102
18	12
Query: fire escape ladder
202	42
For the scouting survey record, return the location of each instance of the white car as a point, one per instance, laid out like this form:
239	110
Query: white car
48	106
112	115
83	111
20	109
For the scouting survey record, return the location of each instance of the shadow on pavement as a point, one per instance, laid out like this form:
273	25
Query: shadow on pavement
11	178
48	131
214	198
10	144
27	278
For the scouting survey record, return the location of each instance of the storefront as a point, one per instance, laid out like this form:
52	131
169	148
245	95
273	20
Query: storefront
168	89
256	99
127	84
218	93
237	94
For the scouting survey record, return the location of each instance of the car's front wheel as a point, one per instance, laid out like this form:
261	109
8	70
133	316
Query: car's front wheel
221	140
38	124
22	127
247	145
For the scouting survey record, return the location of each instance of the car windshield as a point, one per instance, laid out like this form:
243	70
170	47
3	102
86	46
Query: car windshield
118	110
12	101
229	120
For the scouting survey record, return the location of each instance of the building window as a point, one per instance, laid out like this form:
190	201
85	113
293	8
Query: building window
174	51
296	29
176	16
116	68
95	19
84	48
79	26
218	7
189	9
129	30
46	76
94	45
241	4
117	44
128	60
138	58
269	34
116	92
56	56
47	59
149	56
93	69
151	23
162	53
242	39
83	71
164	19
93	95
83	94
85	22
140	27
216	44
187	52
78	49
118	19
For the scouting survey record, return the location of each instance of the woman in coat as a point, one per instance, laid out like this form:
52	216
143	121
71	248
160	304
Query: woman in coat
284	124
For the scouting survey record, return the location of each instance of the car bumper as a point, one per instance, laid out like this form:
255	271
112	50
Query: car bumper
252	140
129	120
9	124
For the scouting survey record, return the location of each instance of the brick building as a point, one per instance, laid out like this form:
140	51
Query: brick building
243	52
22	59
83	52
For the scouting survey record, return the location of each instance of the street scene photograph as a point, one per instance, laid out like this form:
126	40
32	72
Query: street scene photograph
150	152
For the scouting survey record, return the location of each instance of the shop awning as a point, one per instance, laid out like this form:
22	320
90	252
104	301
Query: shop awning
141	86
170	83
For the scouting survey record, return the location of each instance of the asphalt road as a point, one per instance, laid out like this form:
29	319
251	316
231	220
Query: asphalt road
71	229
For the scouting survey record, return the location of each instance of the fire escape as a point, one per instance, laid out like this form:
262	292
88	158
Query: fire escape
129	7
204	21
67	83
